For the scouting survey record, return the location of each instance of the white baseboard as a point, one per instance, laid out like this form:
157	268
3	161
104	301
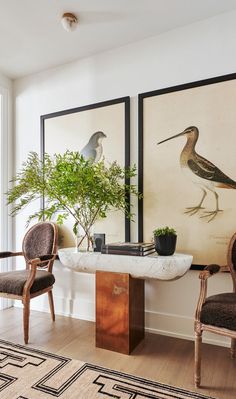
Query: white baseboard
171	325
178	326
78	309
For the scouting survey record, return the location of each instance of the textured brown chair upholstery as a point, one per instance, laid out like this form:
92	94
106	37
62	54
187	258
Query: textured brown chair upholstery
217	313
39	250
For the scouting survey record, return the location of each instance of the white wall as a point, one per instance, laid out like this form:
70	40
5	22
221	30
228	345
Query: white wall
202	50
5	82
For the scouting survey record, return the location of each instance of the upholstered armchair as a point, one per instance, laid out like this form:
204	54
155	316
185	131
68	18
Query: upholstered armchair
217	313
39	250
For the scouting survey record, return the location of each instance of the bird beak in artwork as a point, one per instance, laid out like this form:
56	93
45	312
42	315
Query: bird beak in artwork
173	137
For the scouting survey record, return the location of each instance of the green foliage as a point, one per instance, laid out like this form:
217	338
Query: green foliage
164	231
72	186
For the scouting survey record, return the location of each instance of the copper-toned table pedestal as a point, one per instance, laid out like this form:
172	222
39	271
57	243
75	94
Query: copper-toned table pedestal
119	311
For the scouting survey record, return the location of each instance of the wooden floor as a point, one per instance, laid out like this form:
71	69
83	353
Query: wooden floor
163	359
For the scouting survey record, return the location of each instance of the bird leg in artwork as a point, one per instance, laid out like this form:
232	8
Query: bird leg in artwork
194	209
212	214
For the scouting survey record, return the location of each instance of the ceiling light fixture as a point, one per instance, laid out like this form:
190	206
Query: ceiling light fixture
69	21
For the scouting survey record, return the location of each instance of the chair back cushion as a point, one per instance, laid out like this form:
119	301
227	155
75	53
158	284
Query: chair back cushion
231	259
40	240
234	254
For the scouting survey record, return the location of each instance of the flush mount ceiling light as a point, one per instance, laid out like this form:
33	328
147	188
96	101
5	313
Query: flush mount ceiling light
69	21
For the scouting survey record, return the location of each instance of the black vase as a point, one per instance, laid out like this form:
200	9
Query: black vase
165	245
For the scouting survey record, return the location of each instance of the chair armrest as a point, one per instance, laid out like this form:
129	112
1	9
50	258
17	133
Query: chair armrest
8	254
34	263
209	271
42	259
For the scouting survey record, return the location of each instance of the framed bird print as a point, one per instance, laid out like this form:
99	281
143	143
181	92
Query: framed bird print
187	166
98	131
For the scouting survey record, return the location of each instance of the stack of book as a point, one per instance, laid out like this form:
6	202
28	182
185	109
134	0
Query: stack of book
129	248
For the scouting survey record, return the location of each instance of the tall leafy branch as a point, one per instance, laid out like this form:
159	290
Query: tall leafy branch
72	186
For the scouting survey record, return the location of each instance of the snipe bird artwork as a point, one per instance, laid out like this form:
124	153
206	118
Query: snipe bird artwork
202	172
94	149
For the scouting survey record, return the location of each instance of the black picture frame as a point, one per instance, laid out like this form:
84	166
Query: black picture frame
141	101
122	100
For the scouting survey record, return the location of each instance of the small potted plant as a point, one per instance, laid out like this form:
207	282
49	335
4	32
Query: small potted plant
165	240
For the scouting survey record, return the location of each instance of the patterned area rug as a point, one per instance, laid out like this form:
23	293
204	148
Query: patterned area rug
27	373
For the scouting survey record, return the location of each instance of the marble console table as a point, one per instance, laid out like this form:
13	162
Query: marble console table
145	267
120	291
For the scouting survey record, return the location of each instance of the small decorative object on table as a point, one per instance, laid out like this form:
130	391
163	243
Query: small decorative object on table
129	248
99	240
165	240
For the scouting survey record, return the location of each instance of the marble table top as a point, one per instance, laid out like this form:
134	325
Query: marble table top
146	267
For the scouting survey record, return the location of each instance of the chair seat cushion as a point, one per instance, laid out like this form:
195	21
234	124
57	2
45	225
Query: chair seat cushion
220	310
13	282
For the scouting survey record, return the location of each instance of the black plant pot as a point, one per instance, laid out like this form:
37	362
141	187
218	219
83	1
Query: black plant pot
165	245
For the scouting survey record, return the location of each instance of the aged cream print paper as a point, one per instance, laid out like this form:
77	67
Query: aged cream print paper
174	185
78	131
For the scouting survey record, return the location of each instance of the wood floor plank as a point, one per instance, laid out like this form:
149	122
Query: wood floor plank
160	358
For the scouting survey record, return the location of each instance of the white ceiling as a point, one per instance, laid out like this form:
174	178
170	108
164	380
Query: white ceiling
32	38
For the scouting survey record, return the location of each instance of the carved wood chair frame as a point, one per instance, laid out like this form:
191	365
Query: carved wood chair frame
32	265
199	327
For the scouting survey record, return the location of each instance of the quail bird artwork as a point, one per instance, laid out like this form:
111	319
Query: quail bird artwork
93	150
202	172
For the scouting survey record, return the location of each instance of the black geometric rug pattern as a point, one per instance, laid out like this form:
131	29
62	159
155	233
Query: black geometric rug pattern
27	373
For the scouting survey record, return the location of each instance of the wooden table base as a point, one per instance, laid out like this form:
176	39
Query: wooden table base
119	311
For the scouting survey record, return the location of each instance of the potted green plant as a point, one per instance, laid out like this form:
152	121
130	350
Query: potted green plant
165	240
72	186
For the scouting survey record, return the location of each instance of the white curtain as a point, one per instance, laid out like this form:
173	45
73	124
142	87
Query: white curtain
5	228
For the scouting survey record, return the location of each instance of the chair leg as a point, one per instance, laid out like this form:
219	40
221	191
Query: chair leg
197	373
51	305
26	313
233	348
